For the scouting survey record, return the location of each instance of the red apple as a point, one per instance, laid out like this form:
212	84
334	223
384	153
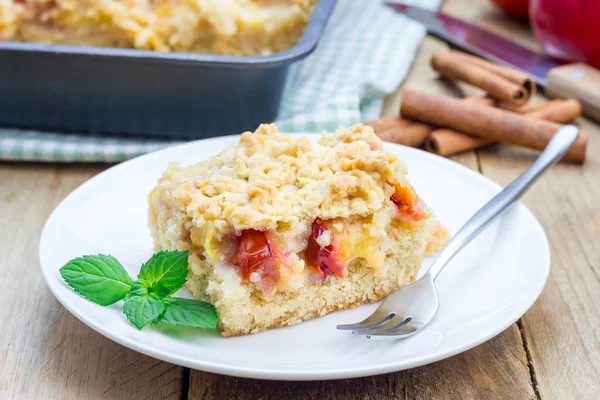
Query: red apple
515	8
568	29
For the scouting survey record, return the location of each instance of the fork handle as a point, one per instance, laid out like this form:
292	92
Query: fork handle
558	145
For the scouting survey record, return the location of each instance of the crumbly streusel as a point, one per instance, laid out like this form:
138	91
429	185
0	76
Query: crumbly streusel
240	27
272	179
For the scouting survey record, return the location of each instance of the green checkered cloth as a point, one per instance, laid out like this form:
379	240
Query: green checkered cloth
364	54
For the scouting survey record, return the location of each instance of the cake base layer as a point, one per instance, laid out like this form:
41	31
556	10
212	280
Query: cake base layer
243	310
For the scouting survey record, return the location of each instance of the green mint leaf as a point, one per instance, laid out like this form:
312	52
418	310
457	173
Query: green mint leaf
141	287
161	291
186	312
138	288
142	310
166	272
99	278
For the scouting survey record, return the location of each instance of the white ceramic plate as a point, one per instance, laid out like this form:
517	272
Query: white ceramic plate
485	289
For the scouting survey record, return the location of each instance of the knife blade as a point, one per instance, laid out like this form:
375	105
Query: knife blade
559	78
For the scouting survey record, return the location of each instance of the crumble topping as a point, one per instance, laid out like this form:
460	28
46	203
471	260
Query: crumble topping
272	181
240	27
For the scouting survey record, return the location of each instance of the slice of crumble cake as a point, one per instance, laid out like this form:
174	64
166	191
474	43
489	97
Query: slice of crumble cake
281	230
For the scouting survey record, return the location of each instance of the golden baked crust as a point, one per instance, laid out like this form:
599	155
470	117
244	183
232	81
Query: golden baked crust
239	27
270	179
280	184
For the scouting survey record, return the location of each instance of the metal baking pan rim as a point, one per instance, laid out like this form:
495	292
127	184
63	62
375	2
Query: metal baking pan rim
309	41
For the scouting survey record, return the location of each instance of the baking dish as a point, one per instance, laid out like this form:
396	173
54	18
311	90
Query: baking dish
114	91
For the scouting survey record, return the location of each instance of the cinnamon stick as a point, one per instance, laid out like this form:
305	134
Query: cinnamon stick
410	133
557	110
526	107
486	122
445	142
401	131
511	74
484	101
499	82
386	123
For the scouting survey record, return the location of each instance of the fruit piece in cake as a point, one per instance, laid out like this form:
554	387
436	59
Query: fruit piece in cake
257	259
323	253
281	229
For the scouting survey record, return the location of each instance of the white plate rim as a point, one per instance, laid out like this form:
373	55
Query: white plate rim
274	374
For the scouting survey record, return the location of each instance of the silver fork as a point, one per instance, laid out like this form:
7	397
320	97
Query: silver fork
408	310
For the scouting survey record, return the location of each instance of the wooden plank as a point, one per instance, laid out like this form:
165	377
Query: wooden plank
497	369
494	370
45	352
562	330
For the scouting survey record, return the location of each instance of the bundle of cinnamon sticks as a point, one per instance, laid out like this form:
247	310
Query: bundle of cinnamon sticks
446	126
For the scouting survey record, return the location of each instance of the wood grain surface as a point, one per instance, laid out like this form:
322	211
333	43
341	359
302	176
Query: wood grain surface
553	352
562	330
490	371
45	352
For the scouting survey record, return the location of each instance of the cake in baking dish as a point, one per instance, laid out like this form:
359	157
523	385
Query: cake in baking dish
281	229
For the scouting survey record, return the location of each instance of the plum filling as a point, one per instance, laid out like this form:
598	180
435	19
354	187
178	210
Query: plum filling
258	255
324	259
257	259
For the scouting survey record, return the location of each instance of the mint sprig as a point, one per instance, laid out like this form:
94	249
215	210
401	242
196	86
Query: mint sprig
148	300
165	271
100	278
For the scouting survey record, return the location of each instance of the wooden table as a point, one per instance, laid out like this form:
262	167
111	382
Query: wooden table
553	352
